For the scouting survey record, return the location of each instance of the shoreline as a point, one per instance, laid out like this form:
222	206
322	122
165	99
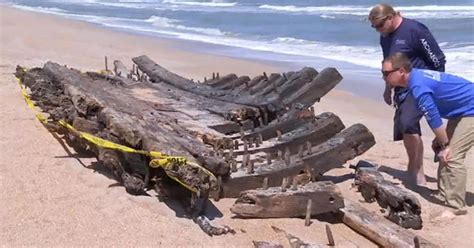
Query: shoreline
369	85
52	198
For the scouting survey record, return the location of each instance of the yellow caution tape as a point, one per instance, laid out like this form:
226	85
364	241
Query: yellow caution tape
159	159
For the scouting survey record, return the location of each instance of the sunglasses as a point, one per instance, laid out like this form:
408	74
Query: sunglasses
387	73
381	24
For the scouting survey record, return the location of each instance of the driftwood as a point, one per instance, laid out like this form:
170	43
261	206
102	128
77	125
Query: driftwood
379	229
281	202
404	208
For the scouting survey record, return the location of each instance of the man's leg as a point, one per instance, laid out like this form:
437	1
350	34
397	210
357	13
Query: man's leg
452	175
414	147
409	125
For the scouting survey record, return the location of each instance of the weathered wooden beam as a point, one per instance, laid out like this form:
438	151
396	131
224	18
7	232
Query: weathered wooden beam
333	153
275	203
320	129
379	229
404	208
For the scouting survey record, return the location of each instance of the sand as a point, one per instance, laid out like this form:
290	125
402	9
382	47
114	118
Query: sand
50	198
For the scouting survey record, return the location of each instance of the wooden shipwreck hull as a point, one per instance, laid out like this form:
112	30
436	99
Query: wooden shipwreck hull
244	130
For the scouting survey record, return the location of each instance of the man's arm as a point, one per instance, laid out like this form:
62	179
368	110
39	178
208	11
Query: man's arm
431	50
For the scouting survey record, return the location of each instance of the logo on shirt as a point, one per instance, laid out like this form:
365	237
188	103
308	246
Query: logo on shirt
399	42
435	75
430	53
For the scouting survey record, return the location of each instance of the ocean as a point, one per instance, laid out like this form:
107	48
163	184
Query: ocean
297	32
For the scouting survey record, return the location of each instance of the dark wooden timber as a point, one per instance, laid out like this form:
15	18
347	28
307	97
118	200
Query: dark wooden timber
403	206
333	153
318	130
274	203
379	229
127	121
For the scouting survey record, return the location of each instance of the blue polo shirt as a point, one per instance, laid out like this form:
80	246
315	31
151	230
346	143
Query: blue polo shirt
441	95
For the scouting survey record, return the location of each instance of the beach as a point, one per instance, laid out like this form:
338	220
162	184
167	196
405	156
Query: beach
49	198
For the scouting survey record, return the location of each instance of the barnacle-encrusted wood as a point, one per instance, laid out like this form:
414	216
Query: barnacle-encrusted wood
242	129
403	207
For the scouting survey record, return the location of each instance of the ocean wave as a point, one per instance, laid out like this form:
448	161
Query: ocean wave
421	12
163	22
202	3
40	9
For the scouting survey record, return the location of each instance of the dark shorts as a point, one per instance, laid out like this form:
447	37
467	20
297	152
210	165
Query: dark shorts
407	118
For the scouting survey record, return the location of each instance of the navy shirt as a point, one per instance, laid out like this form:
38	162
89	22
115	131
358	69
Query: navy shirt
441	95
415	40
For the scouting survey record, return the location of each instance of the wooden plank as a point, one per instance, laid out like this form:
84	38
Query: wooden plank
379	229
280	202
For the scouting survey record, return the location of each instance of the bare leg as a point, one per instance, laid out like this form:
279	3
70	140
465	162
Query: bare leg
414	147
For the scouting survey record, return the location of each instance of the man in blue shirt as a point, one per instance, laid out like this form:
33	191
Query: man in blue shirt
399	34
441	95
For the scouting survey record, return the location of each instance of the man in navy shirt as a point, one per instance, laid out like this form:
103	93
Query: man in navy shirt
398	34
441	95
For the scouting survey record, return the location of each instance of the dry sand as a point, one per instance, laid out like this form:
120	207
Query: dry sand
48	197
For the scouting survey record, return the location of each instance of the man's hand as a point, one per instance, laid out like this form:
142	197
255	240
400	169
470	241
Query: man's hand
443	155
387	96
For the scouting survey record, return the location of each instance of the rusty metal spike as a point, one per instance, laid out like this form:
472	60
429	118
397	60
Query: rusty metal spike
308	147
233	166
106	64
245	160
329	235
265	183
260	121
265	76
258	141
231	153
284	184
279	155
416	240
287	156
205	80
213	75
307	220
217	75
300	151
278	135
236	144
250	167
294	184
